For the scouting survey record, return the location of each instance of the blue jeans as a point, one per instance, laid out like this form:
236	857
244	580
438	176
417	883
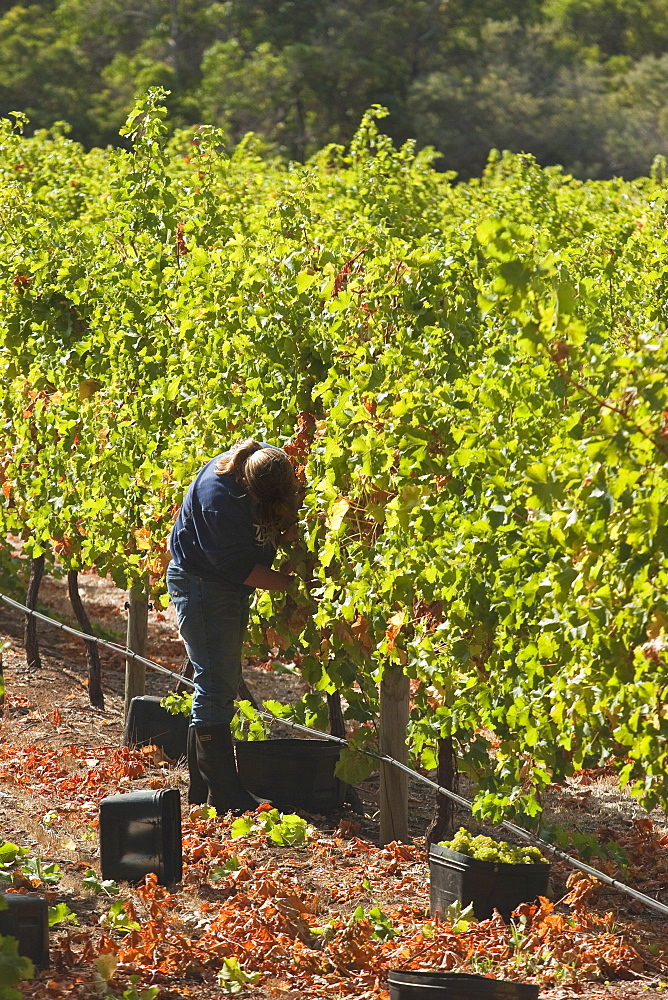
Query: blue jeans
212	619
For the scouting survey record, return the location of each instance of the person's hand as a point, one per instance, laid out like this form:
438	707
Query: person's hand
268	579
290	534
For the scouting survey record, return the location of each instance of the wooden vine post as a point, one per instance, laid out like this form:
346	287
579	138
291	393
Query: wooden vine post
95	695
337	727
441	826
394	710
135	673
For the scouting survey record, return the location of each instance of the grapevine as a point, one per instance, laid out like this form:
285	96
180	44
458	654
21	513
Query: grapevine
471	380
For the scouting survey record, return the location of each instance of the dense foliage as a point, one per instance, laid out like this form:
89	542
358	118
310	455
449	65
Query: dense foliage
583	83
472	379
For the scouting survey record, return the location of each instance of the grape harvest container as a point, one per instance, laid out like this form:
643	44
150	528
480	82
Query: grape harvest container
487	885
148	722
436	985
292	772
26	918
140	832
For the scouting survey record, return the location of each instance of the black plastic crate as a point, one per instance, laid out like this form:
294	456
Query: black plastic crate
148	722
428	985
140	832
27	919
488	885
297	773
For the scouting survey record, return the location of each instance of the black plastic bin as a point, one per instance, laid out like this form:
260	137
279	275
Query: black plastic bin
27	919
429	985
488	885
297	773
148	722
140	832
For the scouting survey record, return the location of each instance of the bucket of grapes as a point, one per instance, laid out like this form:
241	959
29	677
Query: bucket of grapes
490	875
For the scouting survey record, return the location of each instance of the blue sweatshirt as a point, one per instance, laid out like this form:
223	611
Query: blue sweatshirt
215	536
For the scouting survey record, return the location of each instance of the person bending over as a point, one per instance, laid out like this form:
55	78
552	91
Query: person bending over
222	547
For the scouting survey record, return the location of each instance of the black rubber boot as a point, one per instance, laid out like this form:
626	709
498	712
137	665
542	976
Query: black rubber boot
218	768
198	789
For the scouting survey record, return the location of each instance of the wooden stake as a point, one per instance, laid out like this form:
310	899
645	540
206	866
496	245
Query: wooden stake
135	673
394	706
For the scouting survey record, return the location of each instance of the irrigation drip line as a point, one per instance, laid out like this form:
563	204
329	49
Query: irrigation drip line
518	831
123	651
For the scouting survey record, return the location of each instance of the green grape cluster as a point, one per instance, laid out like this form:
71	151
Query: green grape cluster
485	849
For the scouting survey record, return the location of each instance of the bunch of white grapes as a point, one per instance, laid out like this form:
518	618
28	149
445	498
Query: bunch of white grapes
485	849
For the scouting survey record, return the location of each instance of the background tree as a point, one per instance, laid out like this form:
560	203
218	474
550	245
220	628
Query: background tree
44	73
574	82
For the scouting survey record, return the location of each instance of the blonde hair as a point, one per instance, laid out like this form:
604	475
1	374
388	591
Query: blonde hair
268	477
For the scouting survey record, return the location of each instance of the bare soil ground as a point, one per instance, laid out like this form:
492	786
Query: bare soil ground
59	756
